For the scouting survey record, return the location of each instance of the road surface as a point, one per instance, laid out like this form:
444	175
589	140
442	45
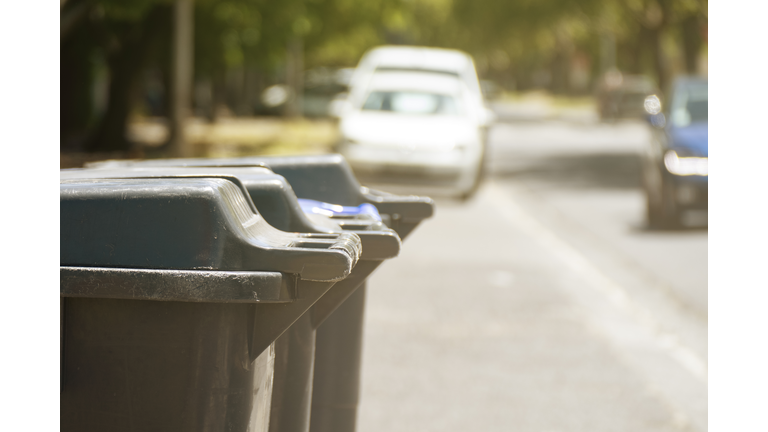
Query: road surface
543	304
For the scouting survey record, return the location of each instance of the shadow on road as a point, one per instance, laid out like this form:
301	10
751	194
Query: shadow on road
600	171
583	171
646	229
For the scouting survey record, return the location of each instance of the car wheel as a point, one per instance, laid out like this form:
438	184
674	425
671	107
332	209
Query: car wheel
480	175
466	195
669	212
652	202
652	210
661	207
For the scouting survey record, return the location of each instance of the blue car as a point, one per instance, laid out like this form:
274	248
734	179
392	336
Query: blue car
675	165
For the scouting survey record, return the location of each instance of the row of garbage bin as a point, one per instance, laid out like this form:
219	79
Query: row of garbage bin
219	294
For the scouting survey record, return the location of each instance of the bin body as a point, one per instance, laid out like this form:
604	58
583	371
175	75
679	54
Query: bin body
336	384
161	366
294	360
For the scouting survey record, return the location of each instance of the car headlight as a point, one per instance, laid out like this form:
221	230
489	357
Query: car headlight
686	166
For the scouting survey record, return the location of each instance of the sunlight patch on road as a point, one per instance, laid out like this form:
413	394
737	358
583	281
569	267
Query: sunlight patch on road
501	278
610	290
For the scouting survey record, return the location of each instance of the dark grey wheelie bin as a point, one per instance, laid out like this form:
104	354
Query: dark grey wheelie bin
173	292
328	178
276	202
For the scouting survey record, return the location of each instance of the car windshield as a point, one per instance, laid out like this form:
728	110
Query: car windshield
690	105
411	102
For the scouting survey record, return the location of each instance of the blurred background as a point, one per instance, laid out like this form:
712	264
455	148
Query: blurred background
562	287
272	63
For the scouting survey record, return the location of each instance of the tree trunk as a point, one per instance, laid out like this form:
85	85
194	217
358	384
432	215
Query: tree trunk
295	77
691	29
637	50
125	68
659	61
76	80
182	76
561	63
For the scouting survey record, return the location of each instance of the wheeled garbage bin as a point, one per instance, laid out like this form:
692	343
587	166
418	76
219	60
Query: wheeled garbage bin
173	293
338	342
276	202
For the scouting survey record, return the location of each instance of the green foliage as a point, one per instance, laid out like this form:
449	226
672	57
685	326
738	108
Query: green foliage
128	10
504	36
233	33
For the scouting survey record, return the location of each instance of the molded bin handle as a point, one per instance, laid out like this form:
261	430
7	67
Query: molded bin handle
409	208
381	243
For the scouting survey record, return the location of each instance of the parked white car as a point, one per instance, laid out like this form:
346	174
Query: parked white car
414	127
414	59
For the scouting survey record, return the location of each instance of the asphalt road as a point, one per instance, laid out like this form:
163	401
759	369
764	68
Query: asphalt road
545	303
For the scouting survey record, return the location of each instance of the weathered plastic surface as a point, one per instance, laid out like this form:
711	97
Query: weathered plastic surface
178	285
170	299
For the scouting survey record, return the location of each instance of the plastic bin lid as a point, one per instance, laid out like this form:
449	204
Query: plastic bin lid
276	202
327	178
189	223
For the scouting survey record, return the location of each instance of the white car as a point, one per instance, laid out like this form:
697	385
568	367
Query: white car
410	59
414	127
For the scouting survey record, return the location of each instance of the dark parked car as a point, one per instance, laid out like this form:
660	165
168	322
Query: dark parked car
621	96
675	165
